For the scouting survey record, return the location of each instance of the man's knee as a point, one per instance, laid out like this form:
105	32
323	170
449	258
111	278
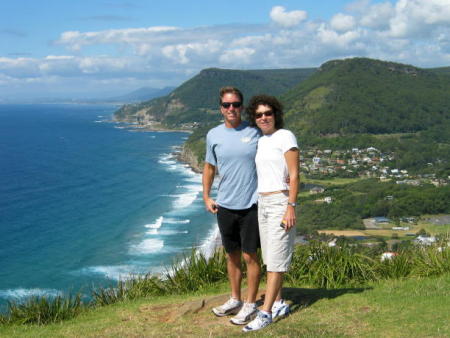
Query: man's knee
250	258
234	257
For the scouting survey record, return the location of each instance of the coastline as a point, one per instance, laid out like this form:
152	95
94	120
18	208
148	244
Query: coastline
186	156
152	127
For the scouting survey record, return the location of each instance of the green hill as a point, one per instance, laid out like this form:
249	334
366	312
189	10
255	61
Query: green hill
360	95
196	100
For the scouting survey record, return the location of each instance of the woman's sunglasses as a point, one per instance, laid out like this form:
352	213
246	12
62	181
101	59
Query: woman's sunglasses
266	114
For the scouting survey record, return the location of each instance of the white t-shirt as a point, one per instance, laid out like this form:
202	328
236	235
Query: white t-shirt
271	165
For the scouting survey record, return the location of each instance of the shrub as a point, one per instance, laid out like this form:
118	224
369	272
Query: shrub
330	267
132	288
43	310
432	261
396	267
191	273
196	272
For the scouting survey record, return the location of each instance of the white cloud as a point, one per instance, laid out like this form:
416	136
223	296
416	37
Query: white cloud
241	56
409	31
287	19
414	18
181	53
377	16
342	22
75	40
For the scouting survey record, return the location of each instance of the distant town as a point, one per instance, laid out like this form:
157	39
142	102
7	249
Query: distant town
366	163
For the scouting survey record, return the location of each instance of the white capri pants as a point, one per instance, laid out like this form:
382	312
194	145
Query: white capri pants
277	244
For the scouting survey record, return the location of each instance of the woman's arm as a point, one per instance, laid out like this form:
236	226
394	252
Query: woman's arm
292	161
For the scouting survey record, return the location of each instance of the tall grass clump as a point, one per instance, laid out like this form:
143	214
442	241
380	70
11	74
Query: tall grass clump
432	261
195	272
330	267
397	267
132	288
43	310
192	272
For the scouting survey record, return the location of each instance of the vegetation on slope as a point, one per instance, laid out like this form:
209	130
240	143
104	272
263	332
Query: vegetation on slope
369	198
330	269
196	100
361	95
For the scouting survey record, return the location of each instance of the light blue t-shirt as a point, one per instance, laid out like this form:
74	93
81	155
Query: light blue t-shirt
232	151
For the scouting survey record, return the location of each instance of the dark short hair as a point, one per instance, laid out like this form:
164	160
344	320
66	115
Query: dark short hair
265	100
230	90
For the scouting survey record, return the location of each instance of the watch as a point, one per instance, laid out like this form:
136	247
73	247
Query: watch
292	204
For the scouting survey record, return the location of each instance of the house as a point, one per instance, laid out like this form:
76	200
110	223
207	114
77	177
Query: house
381	220
400	228
332	243
388	255
316	190
328	199
423	240
409	182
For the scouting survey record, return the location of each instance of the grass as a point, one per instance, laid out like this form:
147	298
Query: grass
394	308
331	271
387	232
329	182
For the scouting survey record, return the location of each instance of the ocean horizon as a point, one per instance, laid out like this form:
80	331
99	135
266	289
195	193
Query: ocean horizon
85	202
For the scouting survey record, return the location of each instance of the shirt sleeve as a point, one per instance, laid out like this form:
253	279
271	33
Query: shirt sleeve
210	156
288	141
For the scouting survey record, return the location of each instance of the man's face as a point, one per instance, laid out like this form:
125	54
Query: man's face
231	114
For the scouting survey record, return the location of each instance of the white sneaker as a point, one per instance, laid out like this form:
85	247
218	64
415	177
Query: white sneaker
280	309
261	321
246	314
230	307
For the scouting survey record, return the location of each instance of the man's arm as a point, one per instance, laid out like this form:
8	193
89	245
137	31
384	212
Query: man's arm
207	180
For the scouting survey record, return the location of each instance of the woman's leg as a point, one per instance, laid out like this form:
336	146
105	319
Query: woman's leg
273	289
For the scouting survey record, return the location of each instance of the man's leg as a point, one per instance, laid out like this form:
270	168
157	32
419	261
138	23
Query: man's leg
253	273
234	273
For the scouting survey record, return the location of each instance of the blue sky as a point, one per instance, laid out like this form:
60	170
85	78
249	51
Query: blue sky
104	48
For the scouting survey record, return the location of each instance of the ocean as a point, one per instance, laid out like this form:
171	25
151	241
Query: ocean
85	202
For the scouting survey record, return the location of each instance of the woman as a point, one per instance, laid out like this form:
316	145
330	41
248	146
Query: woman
277	159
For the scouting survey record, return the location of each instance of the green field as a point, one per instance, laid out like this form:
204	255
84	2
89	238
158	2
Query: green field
329	182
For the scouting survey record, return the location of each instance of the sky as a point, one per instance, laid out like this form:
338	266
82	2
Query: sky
103	48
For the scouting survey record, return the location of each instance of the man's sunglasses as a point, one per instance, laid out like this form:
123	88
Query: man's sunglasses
227	105
266	114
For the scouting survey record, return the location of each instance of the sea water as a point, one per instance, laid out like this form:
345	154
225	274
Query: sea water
85	202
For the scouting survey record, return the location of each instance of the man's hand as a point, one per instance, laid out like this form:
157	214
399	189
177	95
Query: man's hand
211	205
207	180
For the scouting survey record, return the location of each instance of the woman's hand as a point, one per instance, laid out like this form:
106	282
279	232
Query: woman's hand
289	218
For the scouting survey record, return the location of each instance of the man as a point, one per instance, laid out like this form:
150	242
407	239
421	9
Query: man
231	150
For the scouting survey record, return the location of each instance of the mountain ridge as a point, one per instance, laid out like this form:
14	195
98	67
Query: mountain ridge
196	100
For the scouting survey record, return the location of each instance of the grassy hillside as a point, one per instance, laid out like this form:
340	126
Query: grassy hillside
196	100
394	308
359	95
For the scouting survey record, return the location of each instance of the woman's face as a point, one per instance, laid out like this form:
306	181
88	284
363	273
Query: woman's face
265	119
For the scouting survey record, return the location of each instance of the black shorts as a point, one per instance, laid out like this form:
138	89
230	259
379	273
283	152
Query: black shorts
239	229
